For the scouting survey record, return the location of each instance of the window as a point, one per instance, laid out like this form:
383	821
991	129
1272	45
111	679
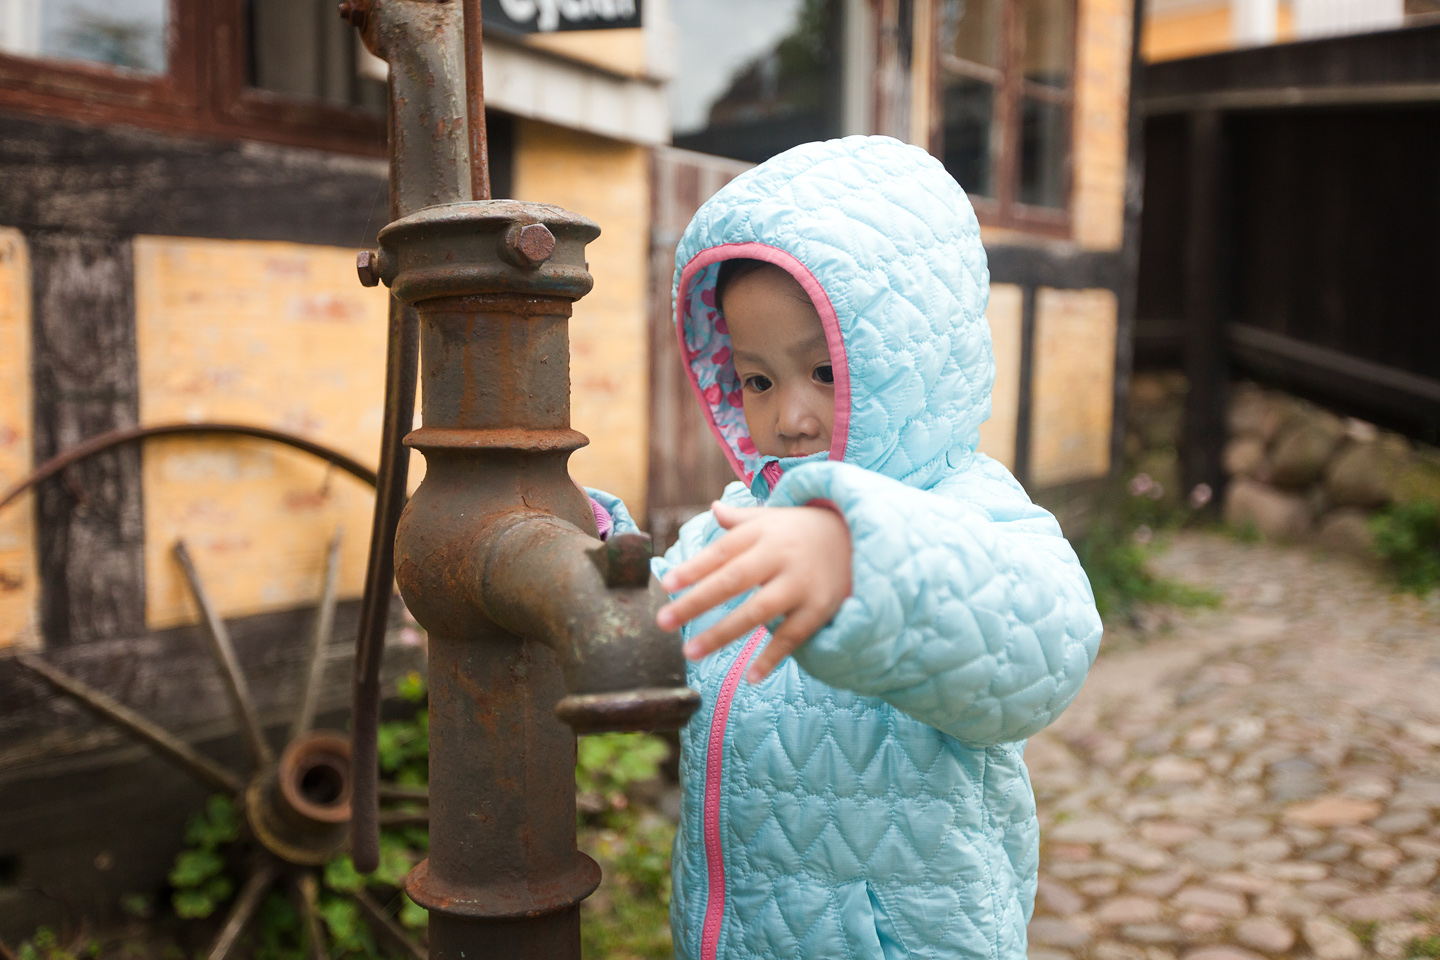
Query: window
286	71
129	35
757	76
1006	92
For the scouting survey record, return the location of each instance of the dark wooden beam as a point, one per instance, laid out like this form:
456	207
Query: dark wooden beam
1206	276
1129	292
1025	407
1053	265
119	181
1390	396
90	520
1361	65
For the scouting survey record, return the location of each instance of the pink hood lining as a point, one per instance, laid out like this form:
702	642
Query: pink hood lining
829	320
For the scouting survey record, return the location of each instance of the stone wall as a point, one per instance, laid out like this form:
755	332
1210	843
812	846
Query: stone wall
1295	472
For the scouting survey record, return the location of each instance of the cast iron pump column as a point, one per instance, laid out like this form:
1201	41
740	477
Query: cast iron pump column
531	619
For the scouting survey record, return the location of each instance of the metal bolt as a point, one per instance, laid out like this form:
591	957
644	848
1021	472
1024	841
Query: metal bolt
367	265
355	13
528	245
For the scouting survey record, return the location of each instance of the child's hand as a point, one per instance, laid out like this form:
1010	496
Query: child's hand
798	556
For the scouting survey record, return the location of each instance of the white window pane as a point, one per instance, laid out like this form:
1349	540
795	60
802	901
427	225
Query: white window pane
130	34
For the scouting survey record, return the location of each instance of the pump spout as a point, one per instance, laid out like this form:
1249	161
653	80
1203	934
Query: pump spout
595	604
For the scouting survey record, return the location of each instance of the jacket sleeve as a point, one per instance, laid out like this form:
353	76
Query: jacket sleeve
969	610
613	505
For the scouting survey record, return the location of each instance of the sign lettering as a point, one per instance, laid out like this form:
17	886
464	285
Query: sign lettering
549	16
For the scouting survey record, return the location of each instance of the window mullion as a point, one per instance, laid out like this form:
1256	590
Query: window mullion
1008	113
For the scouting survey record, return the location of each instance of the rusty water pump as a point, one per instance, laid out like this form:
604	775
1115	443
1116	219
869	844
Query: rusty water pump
534	623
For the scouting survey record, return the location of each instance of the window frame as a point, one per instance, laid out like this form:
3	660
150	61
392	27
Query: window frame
1004	209
203	91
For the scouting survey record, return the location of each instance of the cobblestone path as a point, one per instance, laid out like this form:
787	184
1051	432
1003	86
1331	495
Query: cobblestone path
1257	781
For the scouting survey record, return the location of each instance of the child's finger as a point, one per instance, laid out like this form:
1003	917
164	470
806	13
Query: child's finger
734	578
764	606
731	517
799	626
708	560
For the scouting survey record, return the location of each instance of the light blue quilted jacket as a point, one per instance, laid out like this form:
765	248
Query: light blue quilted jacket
868	800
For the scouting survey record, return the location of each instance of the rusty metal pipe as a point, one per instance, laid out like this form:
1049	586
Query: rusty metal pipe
531	620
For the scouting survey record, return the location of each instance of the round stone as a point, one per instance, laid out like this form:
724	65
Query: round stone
1123	910
1265	934
1406	821
1332	812
1199	924
1054	932
1220	953
1215	854
1058	898
1415	873
1142	856
1380	857
1220	903
1159	884
1330	941
1155	933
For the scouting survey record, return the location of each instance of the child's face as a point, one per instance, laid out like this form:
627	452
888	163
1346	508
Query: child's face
783	363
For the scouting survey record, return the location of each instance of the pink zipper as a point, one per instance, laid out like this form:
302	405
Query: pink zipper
714	757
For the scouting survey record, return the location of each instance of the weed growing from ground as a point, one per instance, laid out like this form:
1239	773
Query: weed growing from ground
1407	538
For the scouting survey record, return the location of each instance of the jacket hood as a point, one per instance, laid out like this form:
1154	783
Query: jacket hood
887	246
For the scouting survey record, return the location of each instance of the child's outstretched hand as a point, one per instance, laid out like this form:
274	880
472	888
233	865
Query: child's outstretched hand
799	557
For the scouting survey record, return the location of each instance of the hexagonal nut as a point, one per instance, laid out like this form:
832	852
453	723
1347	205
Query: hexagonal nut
367	265
355	13
527	245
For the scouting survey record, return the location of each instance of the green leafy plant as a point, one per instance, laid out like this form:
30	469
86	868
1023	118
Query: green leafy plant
628	917
1115	548
199	877
1424	947
1407	537
45	945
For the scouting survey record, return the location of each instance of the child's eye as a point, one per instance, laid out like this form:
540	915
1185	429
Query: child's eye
825	373
758	383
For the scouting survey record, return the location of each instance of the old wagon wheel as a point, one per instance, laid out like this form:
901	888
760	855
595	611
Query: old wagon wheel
296	805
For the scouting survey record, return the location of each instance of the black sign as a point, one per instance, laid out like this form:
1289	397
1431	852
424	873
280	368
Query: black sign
548	16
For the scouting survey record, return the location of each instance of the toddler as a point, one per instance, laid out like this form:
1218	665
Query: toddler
877	616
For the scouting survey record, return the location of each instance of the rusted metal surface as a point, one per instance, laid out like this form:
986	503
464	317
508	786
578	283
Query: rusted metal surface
199	766
367	268
319	637
497	556
244	907
531	620
224	654
299	809
475	103
115	438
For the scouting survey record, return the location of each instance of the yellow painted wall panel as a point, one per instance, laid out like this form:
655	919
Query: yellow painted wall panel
607	181
275	334
620	50
19	580
1102	92
1074	383
1190	31
997	435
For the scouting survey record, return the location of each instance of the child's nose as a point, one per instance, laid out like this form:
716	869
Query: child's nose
798	418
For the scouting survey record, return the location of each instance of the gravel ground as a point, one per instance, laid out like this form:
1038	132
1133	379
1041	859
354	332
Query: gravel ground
1260	780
